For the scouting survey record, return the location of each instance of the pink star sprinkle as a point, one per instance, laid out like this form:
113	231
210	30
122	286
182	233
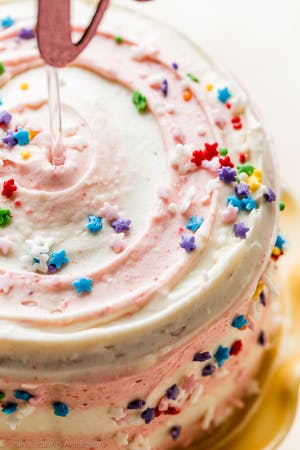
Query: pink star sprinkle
229	214
118	244
5	245
5	283
109	212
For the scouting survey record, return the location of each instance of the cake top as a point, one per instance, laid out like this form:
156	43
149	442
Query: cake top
165	209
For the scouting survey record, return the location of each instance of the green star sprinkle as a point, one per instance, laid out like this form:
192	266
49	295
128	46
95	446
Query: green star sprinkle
193	77
140	101
118	39
282	206
246	168
5	217
2	68
223	151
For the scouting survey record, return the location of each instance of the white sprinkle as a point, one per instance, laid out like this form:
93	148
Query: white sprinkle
188	199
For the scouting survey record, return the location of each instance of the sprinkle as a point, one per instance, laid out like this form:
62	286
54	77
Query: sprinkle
240	230
33	134
242	158
229	214
118	243
25	154
280	242
58	259
224	94
60	409
95	224
187	95
9	188
7	22
175	432
5	245
236	348
227	175
136	404
194	223
239	322
23	395
198	157
5	283
148	415
249	204
201	357
83	285
118	39
109	212
175	65
226	162
233	200
188	243
9	139
24	86
242	190
121	225
2	68
164	87
5	217
270	196
262	298
255	180
208	370
22	136
246	168
281	206
193	77
5	118
2	396
258	290
26	33
9	408
140	101
223	151
209	87
173	392
262	339
221	355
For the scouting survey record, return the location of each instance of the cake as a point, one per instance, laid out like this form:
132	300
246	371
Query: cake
136	279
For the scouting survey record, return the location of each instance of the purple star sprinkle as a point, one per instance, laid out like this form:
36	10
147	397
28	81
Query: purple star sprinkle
136	404
201	357
240	230
164	87
175	432
270	196
262	298
52	269
148	415
5	118
242	190
173	392
227	174
188	243
9	139
175	65
121	225
208	370
26	33
262	338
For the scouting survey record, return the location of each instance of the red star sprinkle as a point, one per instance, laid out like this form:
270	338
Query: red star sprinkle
226	162
238	126
9	188
243	158
211	151
236	119
236	348
198	157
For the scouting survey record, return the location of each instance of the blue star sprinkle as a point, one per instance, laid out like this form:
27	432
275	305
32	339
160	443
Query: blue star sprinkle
188	243
175	432
95	224
173	392
233	200
224	94
227	174
249	204
23	395
195	223
148	415
136	404
22	137
221	355
60	409
58	259
239	322
9	408
83	285
201	357
208	370
280	242
26	33
7	22
240	230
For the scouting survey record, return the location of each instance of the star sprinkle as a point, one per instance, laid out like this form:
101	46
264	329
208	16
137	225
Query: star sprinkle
246	168
7	22
140	101
164	87
188	243
9	139
282	206
242	190
26	33
210	151
208	370
60	409
236	348
9	188
280	242
229	215
136	404
121	225
201	357
83	285
5	217
234	201
227	175
239	322
37	256
262	339
109	211
118	243
221	355
194	223
58	259
5	118
5	245
224	94
249	204
5	283
270	196
95	224
240	230
173	392
22	136
23	395
9	408
148	415
226	162
175	432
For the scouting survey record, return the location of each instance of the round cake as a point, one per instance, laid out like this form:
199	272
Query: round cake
136	278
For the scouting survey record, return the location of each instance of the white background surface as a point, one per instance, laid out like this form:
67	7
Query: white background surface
259	42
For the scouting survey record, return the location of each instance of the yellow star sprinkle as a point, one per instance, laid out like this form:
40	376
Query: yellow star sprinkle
209	87
259	289
24	86
25	154
33	133
276	251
